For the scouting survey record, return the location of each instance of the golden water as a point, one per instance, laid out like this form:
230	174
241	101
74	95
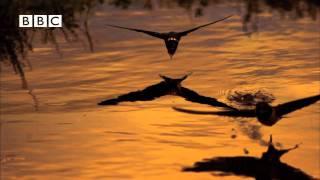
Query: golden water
69	136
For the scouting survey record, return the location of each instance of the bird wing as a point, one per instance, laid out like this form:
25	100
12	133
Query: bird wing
184	33
151	33
150	93
285	108
229	113
193	96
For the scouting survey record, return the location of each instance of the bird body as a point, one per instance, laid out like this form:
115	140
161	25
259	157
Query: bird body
266	114
172	43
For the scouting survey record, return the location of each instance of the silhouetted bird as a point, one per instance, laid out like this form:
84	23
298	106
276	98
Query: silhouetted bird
265	113
171	39
168	86
268	167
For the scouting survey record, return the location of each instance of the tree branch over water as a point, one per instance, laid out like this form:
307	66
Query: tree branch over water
16	42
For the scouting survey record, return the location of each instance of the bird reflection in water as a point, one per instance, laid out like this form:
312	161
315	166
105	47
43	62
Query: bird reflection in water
168	86
268	166
265	113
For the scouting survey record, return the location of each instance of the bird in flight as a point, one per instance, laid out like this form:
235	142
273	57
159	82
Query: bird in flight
168	86
171	39
265	113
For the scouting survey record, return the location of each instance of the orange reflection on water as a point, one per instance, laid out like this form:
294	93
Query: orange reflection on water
70	136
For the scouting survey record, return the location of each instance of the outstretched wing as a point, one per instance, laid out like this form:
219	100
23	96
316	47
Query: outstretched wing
231	113
147	94
192	96
184	33
151	33
285	108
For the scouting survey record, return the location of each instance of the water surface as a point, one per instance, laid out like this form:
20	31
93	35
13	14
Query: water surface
59	132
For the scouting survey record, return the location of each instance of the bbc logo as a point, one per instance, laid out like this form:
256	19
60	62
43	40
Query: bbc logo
40	20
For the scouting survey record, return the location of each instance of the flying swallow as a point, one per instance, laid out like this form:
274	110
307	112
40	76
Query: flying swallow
168	86
171	39
265	113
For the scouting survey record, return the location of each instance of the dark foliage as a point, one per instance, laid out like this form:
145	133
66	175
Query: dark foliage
16	42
